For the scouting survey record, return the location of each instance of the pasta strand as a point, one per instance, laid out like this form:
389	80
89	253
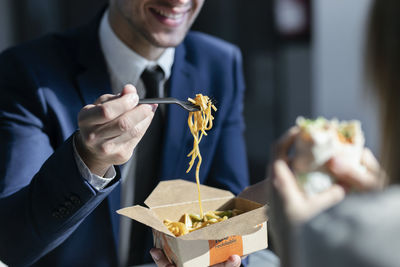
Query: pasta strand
199	122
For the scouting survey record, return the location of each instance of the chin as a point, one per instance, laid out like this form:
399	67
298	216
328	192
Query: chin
167	40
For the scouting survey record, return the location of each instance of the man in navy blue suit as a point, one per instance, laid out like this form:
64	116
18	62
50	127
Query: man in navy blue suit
70	124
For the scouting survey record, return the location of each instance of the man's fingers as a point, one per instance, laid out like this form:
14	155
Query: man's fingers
162	261
105	98
283	145
159	258
130	125
128	89
233	261
132	138
109	110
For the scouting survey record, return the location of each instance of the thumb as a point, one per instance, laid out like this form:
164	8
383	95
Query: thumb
128	89
233	261
285	183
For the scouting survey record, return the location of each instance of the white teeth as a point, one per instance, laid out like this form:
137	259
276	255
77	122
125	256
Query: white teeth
169	15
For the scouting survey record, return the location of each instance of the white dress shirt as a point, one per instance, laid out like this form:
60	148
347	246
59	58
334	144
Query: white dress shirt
124	66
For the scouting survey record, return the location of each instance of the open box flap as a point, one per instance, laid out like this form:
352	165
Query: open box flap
244	224
145	216
256	192
180	191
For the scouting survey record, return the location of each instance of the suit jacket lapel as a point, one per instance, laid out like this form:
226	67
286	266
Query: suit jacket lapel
93	81
182	86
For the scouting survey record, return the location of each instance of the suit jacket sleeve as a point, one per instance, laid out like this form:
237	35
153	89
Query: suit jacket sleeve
229	169
43	197
360	231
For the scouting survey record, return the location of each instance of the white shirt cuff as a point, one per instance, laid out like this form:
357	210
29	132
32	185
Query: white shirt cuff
94	180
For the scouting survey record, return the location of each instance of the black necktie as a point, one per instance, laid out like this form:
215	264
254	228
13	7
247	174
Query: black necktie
152	80
149	148
148	156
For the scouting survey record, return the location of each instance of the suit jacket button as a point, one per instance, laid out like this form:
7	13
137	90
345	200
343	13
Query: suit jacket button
75	200
55	214
63	211
69	205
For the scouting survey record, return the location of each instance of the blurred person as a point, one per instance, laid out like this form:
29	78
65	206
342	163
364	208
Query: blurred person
361	228
69	117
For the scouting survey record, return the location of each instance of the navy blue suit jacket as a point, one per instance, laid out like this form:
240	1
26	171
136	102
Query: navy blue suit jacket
50	215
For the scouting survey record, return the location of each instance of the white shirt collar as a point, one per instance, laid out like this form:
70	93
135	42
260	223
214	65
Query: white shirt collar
123	63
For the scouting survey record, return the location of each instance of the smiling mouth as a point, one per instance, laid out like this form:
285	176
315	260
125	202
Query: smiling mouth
170	15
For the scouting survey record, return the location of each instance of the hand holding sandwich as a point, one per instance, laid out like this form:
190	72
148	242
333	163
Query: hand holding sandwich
290	205
295	204
298	206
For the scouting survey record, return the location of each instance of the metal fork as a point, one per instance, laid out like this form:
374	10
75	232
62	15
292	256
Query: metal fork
170	100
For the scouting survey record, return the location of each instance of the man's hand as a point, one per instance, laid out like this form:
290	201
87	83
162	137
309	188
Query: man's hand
162	261
111	128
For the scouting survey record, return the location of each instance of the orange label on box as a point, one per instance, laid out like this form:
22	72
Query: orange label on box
220	250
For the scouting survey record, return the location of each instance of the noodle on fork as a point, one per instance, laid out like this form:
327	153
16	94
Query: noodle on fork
199	122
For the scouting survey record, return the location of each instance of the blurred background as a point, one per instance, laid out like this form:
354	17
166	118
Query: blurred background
301	57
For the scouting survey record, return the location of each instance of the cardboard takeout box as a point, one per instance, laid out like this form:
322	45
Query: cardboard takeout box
242	234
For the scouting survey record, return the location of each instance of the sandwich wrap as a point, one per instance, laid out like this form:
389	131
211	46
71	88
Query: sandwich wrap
318	141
